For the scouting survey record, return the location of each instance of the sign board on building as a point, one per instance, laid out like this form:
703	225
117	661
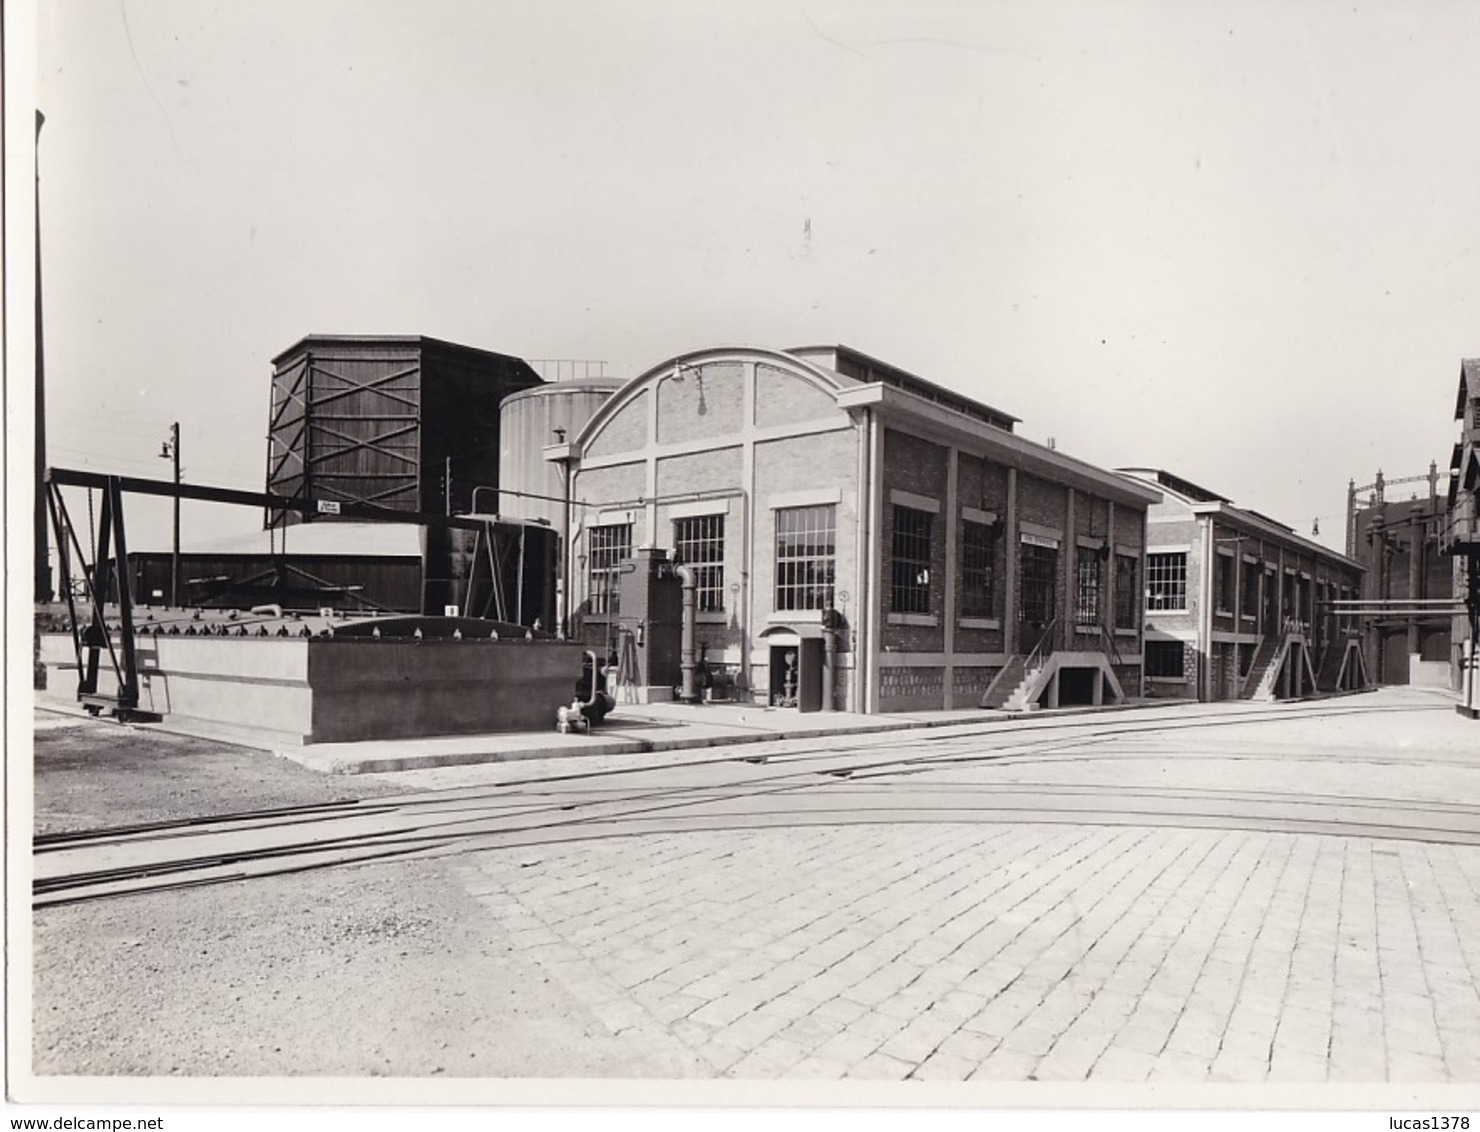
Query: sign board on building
328	506
1039	540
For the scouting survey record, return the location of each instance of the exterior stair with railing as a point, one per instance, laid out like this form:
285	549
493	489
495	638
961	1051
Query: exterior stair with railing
1269	661
1342	667
1008	683
1265	668
1328	670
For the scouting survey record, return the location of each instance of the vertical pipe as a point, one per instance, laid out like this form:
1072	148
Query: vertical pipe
829	671
175	545
686	648
519	582
565	550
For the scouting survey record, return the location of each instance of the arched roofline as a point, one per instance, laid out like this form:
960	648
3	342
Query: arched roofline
831	383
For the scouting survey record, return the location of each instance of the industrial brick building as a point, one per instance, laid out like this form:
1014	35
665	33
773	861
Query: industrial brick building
858	538
1240	606
1409	585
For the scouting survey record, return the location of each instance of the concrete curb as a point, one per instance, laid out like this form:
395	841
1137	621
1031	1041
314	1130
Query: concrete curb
339	763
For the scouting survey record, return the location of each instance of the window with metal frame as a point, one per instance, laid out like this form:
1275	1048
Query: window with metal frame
1039	572
607	547
806	547
1127	591
1087	590
1166	582
909	591
978	569
699	543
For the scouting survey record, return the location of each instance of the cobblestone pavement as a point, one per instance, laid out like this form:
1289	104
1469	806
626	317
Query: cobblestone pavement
1021	951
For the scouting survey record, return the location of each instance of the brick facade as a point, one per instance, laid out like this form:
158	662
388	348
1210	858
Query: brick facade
1249	581
825	435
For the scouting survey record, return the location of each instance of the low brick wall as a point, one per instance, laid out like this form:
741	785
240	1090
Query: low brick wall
339	689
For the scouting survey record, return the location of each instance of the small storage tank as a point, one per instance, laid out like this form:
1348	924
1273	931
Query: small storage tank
529	422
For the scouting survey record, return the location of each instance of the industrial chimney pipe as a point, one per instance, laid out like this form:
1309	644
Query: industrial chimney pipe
687	651
829	667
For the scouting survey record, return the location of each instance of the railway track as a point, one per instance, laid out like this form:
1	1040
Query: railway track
935	777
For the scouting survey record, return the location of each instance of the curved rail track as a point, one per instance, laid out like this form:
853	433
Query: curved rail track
872	779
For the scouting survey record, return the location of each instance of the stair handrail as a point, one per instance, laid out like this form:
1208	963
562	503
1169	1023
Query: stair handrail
1277	658
1035	661
1109	647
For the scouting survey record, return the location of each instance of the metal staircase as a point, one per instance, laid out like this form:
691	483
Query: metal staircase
1022	682
1342	667
1263	682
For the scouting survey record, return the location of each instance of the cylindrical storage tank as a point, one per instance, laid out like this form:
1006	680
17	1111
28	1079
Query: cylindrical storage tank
529	422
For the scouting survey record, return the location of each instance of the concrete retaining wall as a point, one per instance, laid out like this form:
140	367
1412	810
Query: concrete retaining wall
333	690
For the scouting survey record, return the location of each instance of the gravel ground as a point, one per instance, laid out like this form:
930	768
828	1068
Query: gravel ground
386	969
92	773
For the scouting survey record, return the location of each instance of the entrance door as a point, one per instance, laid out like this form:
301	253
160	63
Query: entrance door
796	675
1038	605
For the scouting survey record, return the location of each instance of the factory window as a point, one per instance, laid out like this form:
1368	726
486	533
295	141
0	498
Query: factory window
910	591
608	548
1127	591
978	569
806	540
1226	575
1165	660
699	543
1087	590
1040	566
1166	581
1249	600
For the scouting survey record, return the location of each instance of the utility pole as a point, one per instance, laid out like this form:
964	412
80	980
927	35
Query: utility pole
43	591
170	449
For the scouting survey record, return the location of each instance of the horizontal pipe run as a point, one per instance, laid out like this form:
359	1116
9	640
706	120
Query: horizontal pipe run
366	512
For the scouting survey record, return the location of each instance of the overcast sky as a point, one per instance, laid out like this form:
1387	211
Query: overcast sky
1238	241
